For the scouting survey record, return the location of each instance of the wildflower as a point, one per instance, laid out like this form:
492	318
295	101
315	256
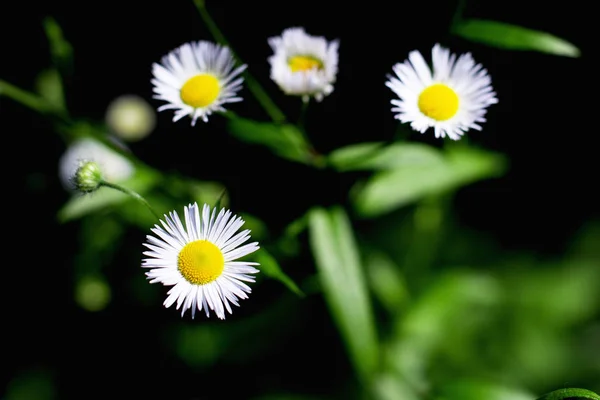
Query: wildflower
451	99
303	65
199	260
196	79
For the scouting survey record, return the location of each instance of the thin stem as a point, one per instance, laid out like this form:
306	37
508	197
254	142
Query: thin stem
259	93
131	193
314	157
26	98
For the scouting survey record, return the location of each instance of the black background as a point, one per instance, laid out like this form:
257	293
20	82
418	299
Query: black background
542	123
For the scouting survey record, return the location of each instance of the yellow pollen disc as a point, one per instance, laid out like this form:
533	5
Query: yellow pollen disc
200	262
304	63
200	90
439	102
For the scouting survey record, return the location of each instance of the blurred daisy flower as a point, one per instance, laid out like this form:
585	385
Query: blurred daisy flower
196	79
452	98
303	65
199	260
87	160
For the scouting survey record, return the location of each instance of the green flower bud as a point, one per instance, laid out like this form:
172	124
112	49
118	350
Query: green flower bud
88	177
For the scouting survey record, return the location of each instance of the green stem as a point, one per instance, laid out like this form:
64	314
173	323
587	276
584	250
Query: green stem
259	93
314	157
26	98
570	394
132	194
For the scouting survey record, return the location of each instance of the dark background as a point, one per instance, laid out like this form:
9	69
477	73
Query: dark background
541	123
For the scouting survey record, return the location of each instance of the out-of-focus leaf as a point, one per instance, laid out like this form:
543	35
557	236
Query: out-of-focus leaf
49	86
31	384
285	140
473	390
349	157
78	206
390	387
270	267
344	285
449	300
447	315
513	37
376	156
571	394
60	49
386	281
559	295
387	190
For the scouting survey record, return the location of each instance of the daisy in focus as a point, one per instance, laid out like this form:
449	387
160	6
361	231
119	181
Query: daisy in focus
303	65
199	260
196	79
451	98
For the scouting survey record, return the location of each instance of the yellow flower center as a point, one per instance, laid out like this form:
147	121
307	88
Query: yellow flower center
200	262
439	102
200	90
304	63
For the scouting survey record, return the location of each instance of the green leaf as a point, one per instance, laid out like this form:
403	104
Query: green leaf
387	190
34	383
377	156
79	206
571	394
285	140
49	86
344	285
271	268
513	37
60	49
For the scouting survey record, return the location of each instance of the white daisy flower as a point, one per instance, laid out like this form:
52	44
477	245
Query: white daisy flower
199	260
452	99
196	79
113	166
303	65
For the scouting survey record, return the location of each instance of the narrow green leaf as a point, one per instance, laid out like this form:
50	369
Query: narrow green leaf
513	37
49	86
571	394
270	267
285	140
376	156
344	285
387	190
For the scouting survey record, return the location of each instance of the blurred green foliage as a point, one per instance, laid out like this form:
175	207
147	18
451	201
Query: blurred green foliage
419	316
